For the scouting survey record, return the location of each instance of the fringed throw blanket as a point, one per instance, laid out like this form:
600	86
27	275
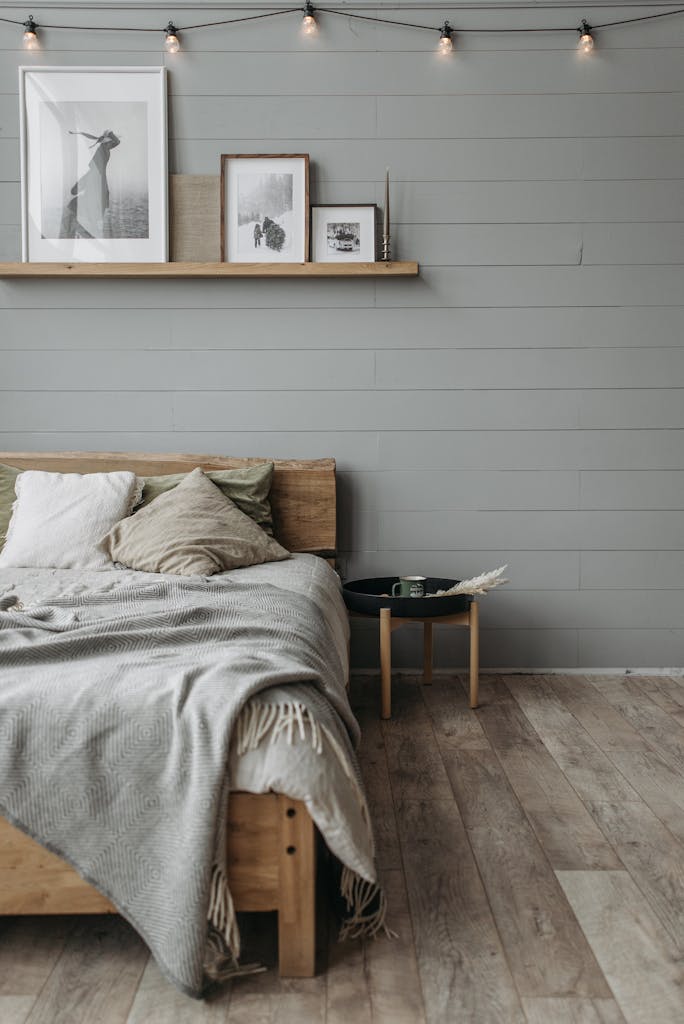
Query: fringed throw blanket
116	717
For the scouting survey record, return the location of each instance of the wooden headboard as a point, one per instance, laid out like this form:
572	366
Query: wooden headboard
302	497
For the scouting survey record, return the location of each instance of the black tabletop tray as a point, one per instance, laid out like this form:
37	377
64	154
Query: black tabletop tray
365	596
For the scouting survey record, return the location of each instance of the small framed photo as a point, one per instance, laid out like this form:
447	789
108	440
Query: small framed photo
93	164
265	208
343	234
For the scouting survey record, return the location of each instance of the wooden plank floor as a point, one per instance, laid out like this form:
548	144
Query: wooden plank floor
533	857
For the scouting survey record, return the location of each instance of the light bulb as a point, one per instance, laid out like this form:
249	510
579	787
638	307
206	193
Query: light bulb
446	43
171	42
309	24
30	36
586	40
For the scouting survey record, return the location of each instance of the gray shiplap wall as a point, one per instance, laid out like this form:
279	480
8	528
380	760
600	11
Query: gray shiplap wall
520	402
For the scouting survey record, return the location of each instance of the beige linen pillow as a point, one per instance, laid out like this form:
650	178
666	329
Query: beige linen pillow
248	487
192	530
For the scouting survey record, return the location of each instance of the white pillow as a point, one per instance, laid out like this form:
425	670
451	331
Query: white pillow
59	520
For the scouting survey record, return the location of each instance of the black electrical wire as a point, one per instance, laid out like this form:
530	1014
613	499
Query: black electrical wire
353	14
185	28
462	31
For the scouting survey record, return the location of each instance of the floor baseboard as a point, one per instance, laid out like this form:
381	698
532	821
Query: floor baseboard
589	671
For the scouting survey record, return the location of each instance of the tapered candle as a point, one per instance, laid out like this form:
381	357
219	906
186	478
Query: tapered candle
386	228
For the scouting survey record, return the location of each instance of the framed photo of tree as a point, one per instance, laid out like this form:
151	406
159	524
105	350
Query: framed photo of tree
265	208
93	164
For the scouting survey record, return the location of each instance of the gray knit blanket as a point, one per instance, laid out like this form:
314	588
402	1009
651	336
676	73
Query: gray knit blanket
116	717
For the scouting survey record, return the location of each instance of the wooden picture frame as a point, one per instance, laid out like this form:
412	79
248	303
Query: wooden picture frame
357	246
264	217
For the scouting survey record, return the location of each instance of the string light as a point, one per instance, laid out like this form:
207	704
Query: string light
171	40
309	23
30	36
446	43
586	40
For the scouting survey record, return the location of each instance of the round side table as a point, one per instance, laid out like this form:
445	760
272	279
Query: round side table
371	598
389	622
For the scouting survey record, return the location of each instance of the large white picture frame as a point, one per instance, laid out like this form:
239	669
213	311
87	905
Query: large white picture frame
94	164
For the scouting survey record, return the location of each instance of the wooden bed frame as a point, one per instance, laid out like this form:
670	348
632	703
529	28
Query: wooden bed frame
271	841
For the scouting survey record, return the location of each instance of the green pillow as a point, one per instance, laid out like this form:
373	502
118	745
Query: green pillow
8	476
249	488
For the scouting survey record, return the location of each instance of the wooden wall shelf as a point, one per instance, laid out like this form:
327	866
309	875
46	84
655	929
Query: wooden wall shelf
206	270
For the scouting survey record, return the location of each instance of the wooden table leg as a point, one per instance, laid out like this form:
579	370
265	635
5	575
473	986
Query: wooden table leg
427	653
386	662
474	653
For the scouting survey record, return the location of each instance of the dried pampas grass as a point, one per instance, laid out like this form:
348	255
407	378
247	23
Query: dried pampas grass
477	585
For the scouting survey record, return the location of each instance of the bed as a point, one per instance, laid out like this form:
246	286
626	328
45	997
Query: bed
271	837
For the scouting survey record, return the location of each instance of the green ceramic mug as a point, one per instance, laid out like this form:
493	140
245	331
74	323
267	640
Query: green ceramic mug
409	586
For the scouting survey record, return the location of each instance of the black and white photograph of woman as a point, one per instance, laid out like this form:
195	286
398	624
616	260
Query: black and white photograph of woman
97	187
84	215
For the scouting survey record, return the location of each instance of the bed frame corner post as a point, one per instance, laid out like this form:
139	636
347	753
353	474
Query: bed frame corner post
297	901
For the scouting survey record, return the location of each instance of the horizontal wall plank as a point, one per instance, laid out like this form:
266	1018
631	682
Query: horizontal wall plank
630	407
26	329
526	116
525	449
10	62
85	410
474	160
530	202
429	490
632	648
491	244
647	570
376	410
532	368
345	328
190	370
537	531
499	648
632	243
535	649
416	489
202	295
431	160
533	450
208	117
635	490
584	609
536	286
351	448
637	159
